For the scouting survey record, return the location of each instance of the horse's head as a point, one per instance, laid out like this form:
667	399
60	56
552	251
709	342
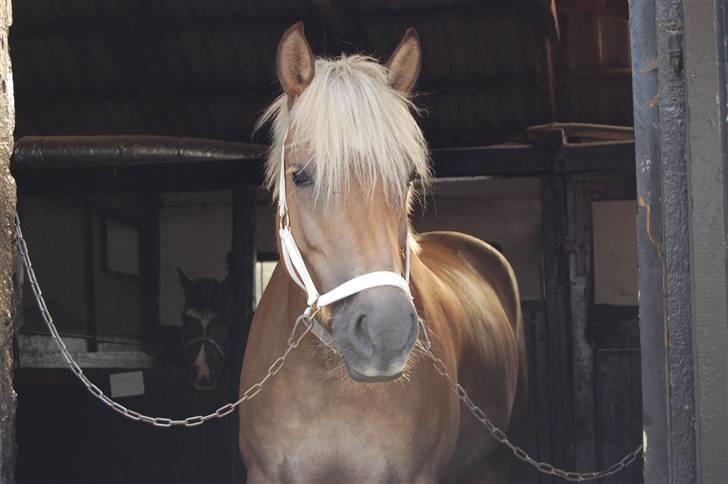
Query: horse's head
206	320
352	150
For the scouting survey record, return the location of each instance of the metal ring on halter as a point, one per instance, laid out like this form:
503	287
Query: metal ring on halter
285	220
426	335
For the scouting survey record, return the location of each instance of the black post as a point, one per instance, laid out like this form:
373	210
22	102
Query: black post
560	407
7	256
649	241
242	276
679	77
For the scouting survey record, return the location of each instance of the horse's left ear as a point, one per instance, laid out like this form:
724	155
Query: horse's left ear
405	62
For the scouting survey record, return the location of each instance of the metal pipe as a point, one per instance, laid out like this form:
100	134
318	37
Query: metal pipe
34	152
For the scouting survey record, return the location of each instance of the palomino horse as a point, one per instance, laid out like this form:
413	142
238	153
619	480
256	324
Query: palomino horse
367	406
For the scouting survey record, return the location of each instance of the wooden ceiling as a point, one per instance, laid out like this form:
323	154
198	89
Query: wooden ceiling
205	68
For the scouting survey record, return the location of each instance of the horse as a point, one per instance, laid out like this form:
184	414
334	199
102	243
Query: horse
206	320
363	404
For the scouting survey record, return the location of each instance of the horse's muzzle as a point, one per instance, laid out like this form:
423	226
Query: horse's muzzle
377	331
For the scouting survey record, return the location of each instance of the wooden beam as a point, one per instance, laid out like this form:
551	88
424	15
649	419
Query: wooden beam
614	157
111	174
7	255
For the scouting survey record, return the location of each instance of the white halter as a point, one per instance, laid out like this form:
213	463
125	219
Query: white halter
300	275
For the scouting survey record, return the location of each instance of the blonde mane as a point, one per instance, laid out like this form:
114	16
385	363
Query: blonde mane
354	126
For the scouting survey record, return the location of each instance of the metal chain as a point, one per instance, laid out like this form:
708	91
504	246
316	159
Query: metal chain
521	454
293	342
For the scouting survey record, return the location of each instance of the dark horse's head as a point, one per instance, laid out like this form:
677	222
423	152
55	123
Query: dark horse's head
206	319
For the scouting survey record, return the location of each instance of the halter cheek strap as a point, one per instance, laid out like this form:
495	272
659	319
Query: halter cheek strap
299	272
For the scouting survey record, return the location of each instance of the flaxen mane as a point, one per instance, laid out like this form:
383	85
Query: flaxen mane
354	126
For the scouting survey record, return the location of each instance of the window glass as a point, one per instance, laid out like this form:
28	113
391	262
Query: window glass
263	272
615	252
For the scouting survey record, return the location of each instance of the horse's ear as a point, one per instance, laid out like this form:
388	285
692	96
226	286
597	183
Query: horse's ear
183	279
405	62
294	62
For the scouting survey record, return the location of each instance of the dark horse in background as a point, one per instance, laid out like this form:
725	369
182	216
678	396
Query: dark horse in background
206	324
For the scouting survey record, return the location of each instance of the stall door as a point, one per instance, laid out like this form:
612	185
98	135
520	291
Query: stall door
605	325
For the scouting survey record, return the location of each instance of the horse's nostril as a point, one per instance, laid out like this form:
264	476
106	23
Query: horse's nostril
359	336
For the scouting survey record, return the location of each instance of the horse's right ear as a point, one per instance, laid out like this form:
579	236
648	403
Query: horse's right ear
183	279
294	62
405	62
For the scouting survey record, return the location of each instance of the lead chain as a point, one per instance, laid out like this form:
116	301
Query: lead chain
294	341
500	436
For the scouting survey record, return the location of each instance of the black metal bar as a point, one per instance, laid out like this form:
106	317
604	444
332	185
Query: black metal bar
33	152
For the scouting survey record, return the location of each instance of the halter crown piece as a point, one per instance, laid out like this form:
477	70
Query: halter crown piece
299	273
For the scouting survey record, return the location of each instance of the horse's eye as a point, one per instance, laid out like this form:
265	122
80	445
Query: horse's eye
414	176
300	178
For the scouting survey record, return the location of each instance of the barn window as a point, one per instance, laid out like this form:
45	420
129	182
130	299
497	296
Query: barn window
263	271
615	258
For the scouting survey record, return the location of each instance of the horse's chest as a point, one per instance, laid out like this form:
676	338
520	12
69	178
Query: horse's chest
364	438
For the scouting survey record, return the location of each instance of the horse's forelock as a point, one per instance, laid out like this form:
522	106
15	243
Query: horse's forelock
354	126
208	294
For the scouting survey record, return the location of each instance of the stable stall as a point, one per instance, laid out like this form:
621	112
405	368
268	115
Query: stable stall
138	174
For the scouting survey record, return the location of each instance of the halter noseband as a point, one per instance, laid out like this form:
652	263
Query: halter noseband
299	273
207	340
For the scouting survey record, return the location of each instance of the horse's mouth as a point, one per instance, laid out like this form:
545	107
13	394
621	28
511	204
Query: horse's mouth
204	388
372	377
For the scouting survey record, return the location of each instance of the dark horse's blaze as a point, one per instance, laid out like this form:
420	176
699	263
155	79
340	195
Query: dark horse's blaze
206	318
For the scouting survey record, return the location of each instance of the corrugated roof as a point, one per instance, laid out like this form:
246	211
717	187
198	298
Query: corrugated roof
205	68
